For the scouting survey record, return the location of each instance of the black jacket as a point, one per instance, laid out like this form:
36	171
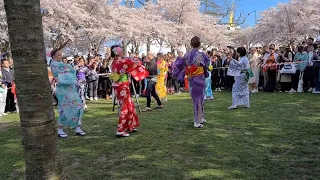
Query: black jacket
152	68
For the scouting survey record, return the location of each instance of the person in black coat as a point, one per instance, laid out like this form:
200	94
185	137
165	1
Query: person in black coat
8	80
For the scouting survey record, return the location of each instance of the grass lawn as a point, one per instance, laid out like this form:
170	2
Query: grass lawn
278	138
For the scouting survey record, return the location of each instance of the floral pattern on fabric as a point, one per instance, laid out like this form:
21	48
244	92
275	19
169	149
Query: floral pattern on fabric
240	89
128	118
70	106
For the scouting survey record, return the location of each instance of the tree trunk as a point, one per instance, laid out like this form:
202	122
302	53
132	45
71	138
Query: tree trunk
173	50
125	48
148	45
136	50
38	130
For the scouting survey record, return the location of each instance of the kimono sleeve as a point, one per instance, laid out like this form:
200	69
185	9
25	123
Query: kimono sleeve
135	68
206	61
179	68
234	69
54	69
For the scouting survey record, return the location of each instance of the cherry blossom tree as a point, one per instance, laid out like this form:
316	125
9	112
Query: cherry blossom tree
287	23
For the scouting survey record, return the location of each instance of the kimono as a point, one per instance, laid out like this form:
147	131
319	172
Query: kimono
121	68
208	90
70	106
240	89
82	71
161	86
195	66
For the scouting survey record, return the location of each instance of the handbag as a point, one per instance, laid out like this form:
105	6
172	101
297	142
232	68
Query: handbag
300	84
288	69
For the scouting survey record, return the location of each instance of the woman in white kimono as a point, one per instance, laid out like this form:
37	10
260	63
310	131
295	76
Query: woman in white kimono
241	71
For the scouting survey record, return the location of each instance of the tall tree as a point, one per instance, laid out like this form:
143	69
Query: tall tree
38	130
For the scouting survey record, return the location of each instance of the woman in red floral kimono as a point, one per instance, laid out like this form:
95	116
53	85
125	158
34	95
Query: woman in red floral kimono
121	69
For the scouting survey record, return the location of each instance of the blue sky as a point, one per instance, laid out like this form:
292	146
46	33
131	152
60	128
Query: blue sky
247	6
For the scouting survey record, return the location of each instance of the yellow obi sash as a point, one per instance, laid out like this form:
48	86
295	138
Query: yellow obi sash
194	71
119	77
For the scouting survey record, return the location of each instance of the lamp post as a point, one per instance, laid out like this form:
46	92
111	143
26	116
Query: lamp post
255	15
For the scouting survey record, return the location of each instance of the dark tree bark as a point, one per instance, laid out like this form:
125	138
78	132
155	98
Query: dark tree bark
38	130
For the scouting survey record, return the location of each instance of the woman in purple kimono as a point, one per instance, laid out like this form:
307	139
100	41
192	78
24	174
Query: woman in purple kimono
194	65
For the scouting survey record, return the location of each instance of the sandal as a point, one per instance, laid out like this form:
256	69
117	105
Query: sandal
122	134
80	133
132	131
62	136
199	126
232	107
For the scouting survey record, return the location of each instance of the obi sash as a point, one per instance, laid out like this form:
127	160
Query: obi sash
81	75
119	77
249	74
194	71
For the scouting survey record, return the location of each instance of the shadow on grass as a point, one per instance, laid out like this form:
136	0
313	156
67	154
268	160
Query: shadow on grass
269	141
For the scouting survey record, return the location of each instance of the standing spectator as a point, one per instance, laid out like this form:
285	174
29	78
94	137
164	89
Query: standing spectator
8	80
104	88
284	79
316	68
64	60
216	72
93	80
302	58
3	96
308	72
271	68
76	59
229	79
255	62
170	81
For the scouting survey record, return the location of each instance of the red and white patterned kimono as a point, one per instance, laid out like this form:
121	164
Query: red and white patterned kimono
128	118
